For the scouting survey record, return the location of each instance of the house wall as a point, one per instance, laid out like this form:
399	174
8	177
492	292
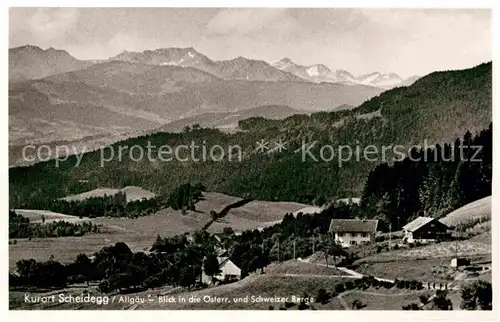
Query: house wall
427	233
229	269
350	239
411	238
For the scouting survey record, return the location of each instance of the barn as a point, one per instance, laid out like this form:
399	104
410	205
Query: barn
425	230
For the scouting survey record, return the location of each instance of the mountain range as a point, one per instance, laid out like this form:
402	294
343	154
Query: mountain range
55	97
239	68
321	73
32	62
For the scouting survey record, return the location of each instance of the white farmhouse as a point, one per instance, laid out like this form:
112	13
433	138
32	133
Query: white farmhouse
228	271
348	232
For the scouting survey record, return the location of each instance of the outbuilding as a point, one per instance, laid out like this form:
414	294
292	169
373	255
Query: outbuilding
425	230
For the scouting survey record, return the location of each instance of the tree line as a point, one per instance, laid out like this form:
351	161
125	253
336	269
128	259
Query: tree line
21	227
183	197
443	178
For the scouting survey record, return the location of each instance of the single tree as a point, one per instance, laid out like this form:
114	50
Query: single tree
211	265
213	215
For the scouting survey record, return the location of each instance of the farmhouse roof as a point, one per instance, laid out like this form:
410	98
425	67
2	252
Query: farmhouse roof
230	266
354	225
417	223
222	259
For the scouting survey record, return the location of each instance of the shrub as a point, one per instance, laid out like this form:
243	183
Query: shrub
322	296
411	306
105	287
339	288
349	285
303	306
399	283
441	302
14	280
76	279
424	299
386	284
364	282
153	281
357	304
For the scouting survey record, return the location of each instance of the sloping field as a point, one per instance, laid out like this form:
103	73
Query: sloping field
474	211
308	210
132	193
99	192
137	193
435	270
376	299
252	215
36	216
447	249
484	238
321	258
139	234
434	251
296	267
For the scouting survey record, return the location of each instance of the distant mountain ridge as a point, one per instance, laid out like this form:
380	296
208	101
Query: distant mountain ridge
32	62
321	73
110	98
239	68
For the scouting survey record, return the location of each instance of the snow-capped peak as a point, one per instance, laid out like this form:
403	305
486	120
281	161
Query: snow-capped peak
173	63
318	70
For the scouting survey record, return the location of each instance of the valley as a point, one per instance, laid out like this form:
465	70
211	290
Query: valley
78	101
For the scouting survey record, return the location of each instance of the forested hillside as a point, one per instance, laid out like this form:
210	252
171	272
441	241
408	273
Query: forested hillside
436	109
441	179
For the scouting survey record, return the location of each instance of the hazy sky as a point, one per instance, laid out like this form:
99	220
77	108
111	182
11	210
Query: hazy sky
407	42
